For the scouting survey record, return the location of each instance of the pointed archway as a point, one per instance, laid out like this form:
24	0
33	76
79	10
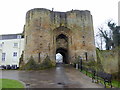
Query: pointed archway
64	53
62	47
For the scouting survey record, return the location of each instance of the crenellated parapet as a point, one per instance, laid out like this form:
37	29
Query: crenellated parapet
68	19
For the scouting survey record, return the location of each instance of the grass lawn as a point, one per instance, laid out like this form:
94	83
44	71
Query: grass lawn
9	83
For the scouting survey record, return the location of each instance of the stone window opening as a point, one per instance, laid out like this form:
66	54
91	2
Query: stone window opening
39	57
40	45
83	36
83	43
86	56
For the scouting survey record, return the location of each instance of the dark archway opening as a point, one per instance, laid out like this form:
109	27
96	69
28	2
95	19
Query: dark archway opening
64	53
62	36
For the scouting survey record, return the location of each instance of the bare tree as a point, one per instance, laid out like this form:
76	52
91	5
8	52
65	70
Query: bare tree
111	35
99	41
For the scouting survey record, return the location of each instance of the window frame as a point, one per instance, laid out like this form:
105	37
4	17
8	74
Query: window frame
15	54
15	44
3	56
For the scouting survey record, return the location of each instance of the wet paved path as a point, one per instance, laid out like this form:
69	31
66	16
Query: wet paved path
59	77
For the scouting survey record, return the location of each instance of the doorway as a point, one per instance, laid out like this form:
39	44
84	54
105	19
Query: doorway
64	54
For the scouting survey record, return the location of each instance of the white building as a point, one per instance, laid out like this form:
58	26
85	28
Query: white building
11	47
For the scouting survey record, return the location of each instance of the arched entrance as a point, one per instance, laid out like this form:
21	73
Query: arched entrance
64	53
59	58
62	47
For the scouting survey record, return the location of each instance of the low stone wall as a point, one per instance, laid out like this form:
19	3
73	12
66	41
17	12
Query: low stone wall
109	60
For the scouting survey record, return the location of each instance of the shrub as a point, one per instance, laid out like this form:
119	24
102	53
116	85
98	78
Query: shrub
31	65
47	63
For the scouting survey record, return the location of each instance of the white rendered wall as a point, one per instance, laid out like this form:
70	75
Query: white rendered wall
8	48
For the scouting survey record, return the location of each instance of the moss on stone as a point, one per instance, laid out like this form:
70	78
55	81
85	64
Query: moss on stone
46	63
32	65
99	65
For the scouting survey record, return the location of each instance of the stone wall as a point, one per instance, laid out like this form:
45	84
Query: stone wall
109	60
43	26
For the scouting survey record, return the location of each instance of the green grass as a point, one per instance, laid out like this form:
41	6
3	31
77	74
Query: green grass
114	82
9	83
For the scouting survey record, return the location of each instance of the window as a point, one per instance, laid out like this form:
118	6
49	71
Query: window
14	54
3	56
15	44
0	45
86	56
38	57
83	43
2	42
18	36
83	36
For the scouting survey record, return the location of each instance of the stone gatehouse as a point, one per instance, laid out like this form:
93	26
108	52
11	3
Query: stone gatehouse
50	32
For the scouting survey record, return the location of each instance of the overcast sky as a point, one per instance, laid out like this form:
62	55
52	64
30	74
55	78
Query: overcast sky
12	12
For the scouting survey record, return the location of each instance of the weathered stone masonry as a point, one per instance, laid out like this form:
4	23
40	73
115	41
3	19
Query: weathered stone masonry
49	32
